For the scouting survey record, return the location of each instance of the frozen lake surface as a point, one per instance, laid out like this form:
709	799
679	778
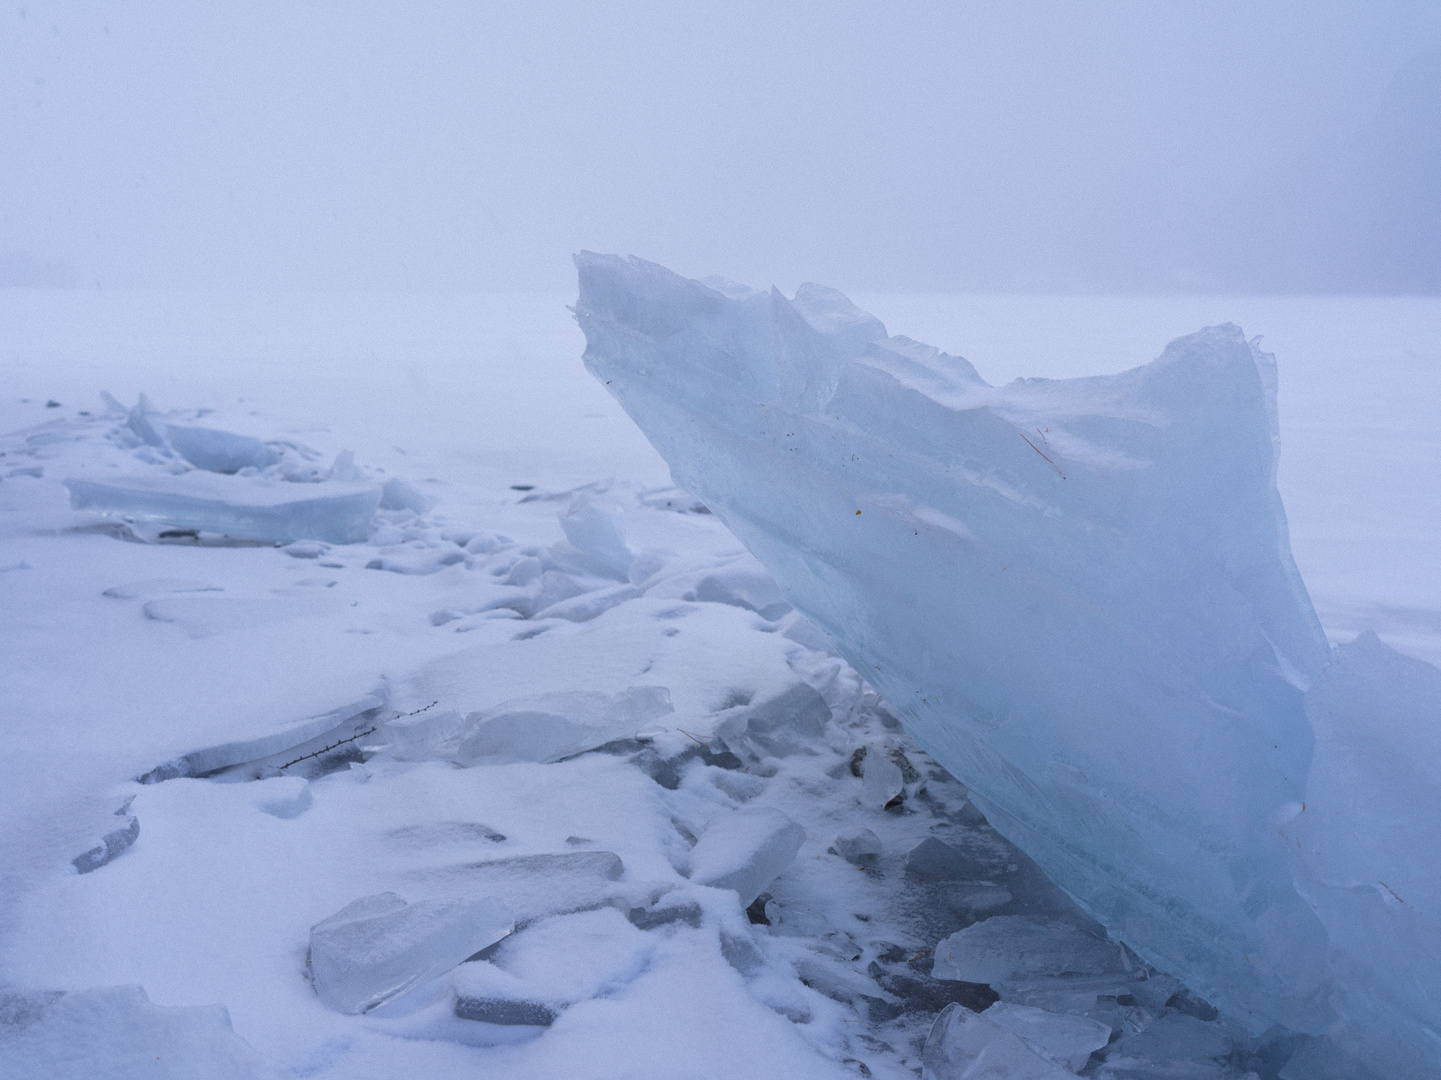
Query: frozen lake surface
121	657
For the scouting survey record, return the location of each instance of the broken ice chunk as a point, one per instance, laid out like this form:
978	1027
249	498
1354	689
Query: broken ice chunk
535	885
744	584
269	737
778	726
543	728
398	494
837	981
1014	946
139	422
881	780
861	848
1175	1037
964	1045
282	796
1066	1040
112	844
219	451
379	946
745	850
562	960
305	549
590	605
594	534
933	860
242	507
117	1032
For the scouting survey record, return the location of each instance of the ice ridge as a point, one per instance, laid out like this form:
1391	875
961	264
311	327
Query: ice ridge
1079	594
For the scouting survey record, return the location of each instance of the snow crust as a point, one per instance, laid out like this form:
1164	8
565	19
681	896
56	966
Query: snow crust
1078	594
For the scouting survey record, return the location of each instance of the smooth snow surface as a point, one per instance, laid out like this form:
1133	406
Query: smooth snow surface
1079	595
545	674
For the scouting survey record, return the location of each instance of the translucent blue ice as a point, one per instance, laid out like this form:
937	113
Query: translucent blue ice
1078	594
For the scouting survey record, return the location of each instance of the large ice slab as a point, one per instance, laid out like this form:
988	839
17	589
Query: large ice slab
1079	594
247	508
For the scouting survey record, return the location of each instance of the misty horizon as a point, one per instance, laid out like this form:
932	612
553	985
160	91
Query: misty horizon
1029	148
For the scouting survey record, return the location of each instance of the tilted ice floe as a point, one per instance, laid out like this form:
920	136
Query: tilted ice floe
1080	596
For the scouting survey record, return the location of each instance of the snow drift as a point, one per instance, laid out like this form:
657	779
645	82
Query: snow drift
1079	595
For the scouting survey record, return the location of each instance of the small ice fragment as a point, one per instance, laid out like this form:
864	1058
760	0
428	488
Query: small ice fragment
979	899
380	946
796	627
242	507
881	780
543	728
111	845
219	451
650	918
158	587
447	832
778	726
1066	1040
306	549
593	532
745	584
117	1032
745	850
862	848
1175	1037
533	886
398	494
488	1010
343	469
1014	946
589	605
740	952
964	1045
562	960
524	572
933	860
482	544
837	981
139	422
282	796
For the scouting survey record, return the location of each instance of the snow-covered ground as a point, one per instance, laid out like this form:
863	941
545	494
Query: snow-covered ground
511	587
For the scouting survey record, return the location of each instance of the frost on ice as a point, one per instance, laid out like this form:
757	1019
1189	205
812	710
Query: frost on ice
1080	597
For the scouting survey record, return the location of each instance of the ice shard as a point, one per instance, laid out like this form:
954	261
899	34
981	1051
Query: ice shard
1079	594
